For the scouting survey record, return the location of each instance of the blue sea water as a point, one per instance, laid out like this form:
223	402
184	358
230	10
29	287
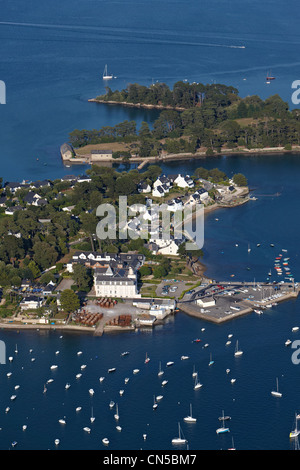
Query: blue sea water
52	58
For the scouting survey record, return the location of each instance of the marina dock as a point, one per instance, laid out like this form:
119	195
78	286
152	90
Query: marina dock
226	301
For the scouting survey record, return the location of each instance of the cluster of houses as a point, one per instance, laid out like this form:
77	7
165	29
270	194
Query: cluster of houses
163	184
31	198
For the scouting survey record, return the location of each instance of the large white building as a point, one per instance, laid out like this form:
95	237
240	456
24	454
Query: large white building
115	282
115	275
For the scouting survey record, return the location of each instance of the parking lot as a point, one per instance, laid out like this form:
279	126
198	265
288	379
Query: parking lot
225	300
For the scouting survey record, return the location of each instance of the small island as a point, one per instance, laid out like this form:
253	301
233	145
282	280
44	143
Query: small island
195	121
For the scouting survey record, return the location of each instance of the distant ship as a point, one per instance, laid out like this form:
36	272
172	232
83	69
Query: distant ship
105	74
269	78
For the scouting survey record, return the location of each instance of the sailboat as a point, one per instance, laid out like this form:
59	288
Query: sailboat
116	415
189	418
295	432
223	428
147	359
197	384
92	418
155	405
276	393
160	371
106	76
211	362
179	439
269	77
237	352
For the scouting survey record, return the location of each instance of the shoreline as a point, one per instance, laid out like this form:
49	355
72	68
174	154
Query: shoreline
201	155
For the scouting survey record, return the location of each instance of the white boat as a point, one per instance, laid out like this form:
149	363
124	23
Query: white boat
223	428
111	404
16	350
24	427
17	387
106	76
179	440
197	384
118	428
276	392
87	429
121	392
101	379
295	328
190	418
159	397
237	351
155	405
56	442
13	397
232	381
78	409
78	376
125	353
184	358
79	353
170	363
160	371
8	374
211	362
54	366
49	381
147	359
288	342
10	358
164	382
91	391
83	366
126	380
112	369
227	371
92	418
56	352
62	421
116	415
295	432
227	343
67	386
136	371
194	374
105	441
7	409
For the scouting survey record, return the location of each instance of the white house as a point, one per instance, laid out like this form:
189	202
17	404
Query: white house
184	181
165	247
144	188
31	303
162	180
158	191
199	196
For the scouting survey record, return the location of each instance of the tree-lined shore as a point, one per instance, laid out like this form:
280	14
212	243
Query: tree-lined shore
196	116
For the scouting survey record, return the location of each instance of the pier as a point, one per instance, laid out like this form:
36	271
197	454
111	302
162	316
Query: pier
225	301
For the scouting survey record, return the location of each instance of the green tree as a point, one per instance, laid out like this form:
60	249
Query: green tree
240	180
82	277
69	301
